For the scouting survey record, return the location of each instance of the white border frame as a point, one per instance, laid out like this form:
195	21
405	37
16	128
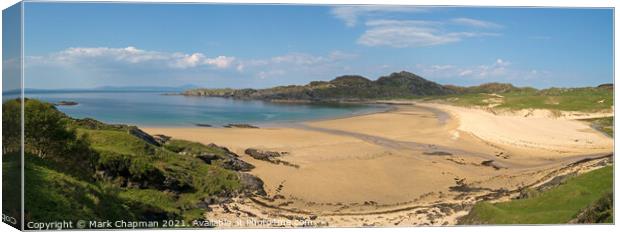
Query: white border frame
478	3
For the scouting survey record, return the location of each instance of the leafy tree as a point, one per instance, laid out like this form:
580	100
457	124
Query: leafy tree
47	135
11	126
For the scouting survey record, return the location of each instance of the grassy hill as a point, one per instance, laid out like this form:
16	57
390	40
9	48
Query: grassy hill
88	170
349	87
588	198
406	85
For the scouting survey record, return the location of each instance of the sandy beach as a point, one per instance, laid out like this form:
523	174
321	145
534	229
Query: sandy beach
421	164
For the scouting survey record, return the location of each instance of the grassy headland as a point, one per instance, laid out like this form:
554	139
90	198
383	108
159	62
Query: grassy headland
405	85
82	169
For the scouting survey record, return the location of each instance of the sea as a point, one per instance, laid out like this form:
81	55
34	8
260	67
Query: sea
161	109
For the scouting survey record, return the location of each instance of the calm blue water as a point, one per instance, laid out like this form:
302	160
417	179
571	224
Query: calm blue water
155	109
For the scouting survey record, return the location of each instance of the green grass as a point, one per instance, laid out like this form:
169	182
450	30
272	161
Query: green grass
52	195
63	196
11	185
555	206
192	148
199	178
576	99
605	124
120	142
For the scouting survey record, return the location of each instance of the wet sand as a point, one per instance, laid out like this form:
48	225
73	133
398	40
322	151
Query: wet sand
414	165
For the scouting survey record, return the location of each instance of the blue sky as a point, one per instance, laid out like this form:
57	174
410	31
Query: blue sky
89	45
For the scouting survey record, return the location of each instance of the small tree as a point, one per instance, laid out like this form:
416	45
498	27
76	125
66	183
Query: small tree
11	126
48	136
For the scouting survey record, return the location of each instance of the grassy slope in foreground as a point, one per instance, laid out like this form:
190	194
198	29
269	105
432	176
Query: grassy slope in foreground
558	205
88	170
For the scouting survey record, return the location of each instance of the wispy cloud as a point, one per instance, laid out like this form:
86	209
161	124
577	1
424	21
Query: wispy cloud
294	63
412	33
351	14
385	26
499	70
476	23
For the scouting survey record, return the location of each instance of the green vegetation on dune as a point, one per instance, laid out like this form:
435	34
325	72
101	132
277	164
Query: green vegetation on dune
568	99
605	124
560	204
88	170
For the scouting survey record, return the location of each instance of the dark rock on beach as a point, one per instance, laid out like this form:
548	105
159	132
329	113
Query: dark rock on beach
228	160
203	125
239	125
261	155
269	156
251	184
237	165
438	153
491	163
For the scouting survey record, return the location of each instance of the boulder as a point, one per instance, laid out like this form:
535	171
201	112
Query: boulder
207	157
251	184
261	155
144	136
161	139
239	125
237	165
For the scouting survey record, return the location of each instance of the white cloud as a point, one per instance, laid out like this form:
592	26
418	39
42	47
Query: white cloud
400	37
499	70
351	14
187	61
130	56
220	61
296	64
392	22
130	64
411	33
297	59
384	28
270	73
476	23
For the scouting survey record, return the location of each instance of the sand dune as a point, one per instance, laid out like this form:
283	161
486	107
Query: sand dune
414	165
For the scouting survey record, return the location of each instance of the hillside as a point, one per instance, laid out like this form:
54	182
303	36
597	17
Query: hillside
406	85
349	87
88	170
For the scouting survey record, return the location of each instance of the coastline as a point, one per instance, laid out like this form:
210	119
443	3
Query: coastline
383	162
